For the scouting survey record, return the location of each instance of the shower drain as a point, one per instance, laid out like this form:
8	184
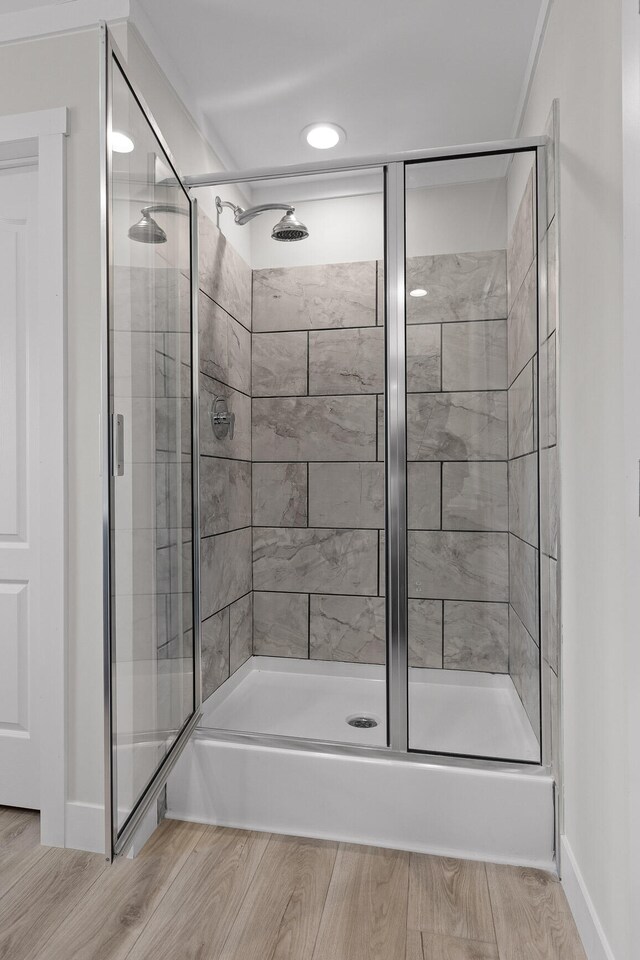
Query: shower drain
362	722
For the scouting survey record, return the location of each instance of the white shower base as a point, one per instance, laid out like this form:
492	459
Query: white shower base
450	711
427	804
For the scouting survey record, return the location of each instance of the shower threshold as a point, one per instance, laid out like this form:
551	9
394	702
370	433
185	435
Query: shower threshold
461	713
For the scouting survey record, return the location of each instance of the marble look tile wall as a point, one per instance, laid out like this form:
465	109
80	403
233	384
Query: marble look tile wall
318	471
314	298
462	286
225	464
524	503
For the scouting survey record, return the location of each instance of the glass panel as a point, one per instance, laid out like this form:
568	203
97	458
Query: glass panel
151	498
314	655
472	450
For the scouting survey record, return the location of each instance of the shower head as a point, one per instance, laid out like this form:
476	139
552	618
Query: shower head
146	230
286	229
289	228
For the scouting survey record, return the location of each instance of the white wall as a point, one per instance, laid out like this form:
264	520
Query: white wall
451	218
580	63
32	77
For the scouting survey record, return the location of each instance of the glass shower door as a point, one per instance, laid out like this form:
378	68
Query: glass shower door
153	600
471	329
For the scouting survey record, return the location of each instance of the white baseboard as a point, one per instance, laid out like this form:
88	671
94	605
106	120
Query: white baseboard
84	826
589	927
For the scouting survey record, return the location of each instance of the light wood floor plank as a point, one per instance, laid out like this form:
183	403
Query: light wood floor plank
195	917
454	948
113	913
40	900
19	844
532	917
365	917
450	898
280	915
414	946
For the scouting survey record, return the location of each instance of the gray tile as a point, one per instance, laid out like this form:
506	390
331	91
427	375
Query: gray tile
549	517
279	364
523	323
521	413
150	298
280	494
153	561
523	498
458	566
522	243
173	365
457	426
215	652
476	636
314	428
474	496
225	346
134	363
423	357
474	355
552	277
523	583
423	495
548	422
223	274
425	633
225	495
461	286
315	561
310	298
549	610
142	625
240	632
524	668
281	625
346	495
237	447
225	569
346	361
349	629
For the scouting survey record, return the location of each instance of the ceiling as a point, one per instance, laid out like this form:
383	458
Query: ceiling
395	74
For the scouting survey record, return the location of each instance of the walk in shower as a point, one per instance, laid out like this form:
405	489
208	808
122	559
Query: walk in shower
313	664
357	508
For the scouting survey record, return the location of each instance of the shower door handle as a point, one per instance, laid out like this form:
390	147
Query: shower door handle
117	445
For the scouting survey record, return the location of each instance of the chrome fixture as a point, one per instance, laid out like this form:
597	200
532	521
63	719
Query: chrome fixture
222	420
287	229
146	230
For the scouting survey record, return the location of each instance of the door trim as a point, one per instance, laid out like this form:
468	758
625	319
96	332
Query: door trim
43	135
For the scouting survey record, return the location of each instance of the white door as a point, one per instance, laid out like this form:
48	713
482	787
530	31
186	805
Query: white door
19	479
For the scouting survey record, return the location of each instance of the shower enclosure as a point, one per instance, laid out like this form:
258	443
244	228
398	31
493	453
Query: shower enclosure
335	532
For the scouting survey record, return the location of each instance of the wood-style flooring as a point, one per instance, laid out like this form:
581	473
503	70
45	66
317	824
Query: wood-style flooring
212	893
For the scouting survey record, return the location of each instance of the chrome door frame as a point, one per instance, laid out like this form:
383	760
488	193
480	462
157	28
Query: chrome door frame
117	841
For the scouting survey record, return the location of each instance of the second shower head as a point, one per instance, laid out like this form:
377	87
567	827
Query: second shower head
288	229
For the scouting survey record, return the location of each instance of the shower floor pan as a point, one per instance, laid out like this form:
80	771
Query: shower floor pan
448	806
450	711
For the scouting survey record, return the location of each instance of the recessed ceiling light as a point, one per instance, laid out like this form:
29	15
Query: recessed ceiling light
120	142
323	136
418	292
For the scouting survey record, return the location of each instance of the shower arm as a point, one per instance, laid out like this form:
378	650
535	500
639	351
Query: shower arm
163	208
242	216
